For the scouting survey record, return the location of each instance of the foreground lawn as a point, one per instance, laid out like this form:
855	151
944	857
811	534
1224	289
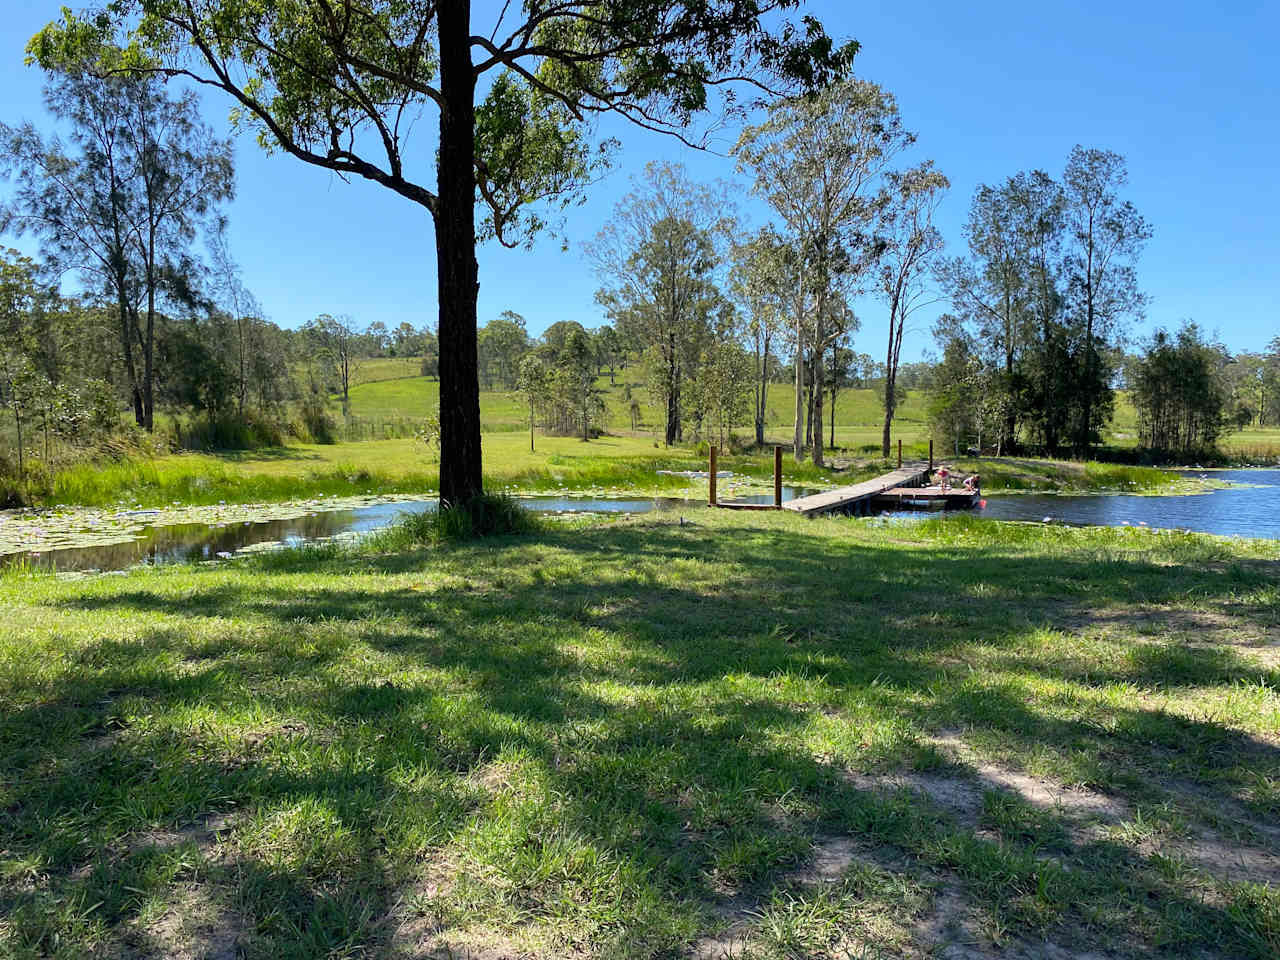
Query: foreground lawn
749	736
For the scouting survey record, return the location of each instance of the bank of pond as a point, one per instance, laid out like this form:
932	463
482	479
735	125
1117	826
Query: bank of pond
1246	503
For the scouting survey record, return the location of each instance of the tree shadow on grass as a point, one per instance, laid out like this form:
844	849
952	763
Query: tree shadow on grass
662	764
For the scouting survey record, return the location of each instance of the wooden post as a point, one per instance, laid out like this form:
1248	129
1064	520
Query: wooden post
931	454
711	479
777	477
899	453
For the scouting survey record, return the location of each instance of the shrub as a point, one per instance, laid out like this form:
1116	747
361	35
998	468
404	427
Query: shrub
230	431
317	420
489	515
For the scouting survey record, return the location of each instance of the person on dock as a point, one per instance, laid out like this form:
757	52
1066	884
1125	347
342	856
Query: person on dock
944	478
971	483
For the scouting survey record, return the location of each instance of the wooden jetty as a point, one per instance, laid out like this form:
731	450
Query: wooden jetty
906	487
859	497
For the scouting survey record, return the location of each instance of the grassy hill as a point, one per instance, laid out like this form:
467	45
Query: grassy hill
391	390
381	396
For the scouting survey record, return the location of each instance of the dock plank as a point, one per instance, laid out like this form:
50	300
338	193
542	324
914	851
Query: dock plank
844	497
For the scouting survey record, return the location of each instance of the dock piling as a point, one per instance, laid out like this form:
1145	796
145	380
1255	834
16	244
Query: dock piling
711	479
899	453
777	477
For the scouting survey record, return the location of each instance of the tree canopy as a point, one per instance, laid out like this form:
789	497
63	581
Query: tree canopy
341	84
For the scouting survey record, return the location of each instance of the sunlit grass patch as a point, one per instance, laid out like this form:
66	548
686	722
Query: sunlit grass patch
628	739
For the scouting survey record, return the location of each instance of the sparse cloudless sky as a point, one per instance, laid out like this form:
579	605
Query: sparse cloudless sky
1188	92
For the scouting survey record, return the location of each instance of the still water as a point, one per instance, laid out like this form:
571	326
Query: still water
1249	508
194	542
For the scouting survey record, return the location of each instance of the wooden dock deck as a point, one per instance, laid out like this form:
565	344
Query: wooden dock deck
858	497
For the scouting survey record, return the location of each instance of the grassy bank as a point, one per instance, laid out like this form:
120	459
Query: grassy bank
755	736
605	465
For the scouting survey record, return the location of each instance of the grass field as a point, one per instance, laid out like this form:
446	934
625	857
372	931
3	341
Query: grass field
753	736
858	412
390	396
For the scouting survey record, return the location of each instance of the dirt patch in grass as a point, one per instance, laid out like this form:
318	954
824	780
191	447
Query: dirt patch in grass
207	833
197	926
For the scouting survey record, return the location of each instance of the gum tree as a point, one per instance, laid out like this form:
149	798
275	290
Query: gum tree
1107	235
819	162
123	206
341	84
911	247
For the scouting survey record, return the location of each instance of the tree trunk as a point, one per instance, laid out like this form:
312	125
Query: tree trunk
148	356
818	376
896	322
461	478
762	366
798	447
673	413
126	348
17	423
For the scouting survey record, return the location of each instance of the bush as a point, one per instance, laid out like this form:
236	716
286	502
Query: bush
230	431
489	515
319	424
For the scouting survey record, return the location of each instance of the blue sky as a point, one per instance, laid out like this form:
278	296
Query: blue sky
1187	93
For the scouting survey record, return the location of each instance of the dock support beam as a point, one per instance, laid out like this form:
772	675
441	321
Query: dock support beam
931	455
711	479
899	453
777	477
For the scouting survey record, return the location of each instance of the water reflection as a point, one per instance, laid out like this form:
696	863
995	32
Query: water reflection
1250	511
196	542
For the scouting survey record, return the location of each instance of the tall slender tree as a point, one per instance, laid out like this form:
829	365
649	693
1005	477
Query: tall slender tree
912	245
660	258
340	83
123	207
762	284
1106	236
819	162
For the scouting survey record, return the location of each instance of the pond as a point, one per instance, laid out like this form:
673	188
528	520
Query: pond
1248	508
195	542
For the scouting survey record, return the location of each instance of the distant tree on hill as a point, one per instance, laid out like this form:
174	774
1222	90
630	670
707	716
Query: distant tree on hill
502	342
534	383
335	343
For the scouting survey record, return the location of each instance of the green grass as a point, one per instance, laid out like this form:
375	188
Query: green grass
830	738
604	465
859	415
858	412
612	464
1027	475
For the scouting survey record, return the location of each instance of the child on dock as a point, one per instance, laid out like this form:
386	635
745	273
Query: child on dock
944	478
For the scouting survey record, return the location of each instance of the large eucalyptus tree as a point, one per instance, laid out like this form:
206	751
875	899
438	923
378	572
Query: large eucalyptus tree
820	162
342	84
